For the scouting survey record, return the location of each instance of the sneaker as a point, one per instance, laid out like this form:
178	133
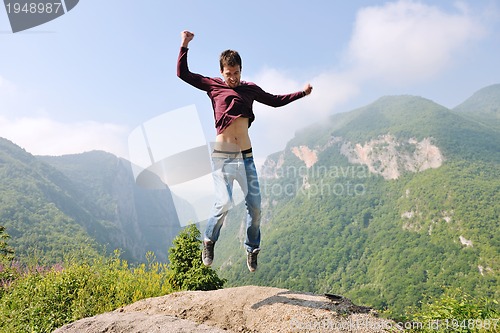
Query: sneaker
207	255
252	259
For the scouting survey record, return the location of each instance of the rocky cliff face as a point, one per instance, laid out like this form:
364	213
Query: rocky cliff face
389	157
386	156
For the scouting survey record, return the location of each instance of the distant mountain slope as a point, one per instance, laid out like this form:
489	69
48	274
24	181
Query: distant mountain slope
484	106
387	204
31	194
52	206
485	101
134	219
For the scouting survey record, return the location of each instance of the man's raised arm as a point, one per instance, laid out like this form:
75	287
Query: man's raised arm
186	37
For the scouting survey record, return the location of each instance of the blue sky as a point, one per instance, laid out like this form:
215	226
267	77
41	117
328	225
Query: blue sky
84	81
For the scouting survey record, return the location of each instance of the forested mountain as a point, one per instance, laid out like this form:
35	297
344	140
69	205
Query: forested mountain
387	204
55	206
484	106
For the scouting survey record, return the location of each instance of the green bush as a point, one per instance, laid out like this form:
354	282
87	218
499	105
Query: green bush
186	268
37	299
41	301
456	311
6	252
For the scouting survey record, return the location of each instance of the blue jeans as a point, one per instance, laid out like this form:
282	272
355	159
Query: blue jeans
225	172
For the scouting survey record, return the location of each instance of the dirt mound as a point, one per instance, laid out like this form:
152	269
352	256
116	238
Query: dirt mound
248	309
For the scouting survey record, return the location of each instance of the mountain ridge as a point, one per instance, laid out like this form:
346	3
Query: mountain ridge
483	101
93	193
408	117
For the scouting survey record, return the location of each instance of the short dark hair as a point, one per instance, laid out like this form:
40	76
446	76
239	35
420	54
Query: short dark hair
229	58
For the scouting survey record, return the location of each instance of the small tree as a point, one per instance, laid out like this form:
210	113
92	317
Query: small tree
6	252
187	270
6	257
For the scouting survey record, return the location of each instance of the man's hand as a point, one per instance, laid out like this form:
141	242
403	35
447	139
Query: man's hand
186	37
308	89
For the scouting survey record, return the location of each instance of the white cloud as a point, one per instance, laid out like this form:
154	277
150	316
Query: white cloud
276	126
38	134
43	136
407	41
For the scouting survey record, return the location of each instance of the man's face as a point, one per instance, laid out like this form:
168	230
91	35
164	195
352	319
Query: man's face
232	75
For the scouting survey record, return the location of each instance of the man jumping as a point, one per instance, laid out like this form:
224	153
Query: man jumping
232	157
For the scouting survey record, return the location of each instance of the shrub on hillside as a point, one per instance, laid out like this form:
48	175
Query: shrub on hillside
456	311
38	299
42	300
186	268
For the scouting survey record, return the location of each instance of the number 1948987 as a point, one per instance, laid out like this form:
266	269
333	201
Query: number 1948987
34	7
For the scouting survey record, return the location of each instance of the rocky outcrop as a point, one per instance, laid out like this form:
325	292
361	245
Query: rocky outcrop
386	156
305	154
248	309
390	157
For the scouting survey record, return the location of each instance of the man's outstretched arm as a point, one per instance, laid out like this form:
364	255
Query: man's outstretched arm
282	100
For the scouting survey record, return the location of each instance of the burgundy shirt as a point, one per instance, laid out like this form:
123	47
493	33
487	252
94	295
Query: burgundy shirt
230	103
